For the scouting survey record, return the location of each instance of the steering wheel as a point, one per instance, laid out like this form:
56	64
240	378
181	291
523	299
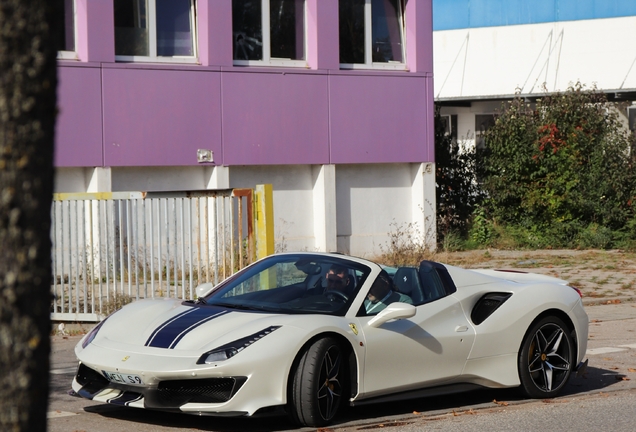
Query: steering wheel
337	295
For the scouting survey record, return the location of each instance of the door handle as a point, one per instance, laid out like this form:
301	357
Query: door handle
460	329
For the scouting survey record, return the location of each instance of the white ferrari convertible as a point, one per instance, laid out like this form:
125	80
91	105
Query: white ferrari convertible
305	333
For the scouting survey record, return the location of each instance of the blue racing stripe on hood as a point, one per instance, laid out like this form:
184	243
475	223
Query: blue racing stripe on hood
168	334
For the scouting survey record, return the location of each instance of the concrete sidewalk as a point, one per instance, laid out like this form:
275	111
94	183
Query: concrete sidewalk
611	311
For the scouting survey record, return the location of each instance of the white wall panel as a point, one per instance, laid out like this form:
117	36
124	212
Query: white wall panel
369	198
293	201
492	61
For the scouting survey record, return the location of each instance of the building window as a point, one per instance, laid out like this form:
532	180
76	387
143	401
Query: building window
269	32
631	118
483	122
449	122
66	37
371	34
155	30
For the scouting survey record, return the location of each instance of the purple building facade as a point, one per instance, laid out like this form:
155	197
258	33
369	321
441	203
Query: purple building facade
345	118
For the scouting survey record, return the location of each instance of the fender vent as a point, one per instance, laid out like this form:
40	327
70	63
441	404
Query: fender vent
487	305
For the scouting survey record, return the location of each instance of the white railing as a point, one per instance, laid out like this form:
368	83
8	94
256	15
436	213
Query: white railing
109	248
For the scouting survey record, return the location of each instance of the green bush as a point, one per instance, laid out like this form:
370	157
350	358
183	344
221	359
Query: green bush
481	232
560	173
457	191
452	242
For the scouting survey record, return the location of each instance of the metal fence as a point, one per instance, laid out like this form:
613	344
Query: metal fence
109	248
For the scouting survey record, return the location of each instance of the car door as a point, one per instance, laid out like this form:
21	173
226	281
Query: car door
425	350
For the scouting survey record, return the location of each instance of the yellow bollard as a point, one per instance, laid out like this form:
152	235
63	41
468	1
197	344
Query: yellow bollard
264	215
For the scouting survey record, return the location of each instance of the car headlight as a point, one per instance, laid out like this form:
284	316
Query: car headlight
219	355
91	335
229	350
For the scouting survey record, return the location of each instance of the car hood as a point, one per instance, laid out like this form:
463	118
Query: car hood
177	325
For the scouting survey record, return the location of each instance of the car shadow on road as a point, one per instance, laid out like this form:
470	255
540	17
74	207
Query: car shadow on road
367	416
593	379
188	422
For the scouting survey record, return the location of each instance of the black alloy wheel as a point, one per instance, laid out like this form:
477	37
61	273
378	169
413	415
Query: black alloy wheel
318	383
546	358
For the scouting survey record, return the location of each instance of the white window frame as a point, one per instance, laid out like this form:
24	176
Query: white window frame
368	41
152	40
268	60
71	55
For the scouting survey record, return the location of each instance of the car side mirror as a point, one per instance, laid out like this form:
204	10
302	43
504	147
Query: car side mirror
393	311
203	289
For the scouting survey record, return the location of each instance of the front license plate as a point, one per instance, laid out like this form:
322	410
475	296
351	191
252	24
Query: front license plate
123	378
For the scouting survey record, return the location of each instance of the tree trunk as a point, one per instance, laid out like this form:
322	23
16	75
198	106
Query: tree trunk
28	81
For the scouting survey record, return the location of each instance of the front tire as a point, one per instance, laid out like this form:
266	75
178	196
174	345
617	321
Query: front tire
318	383
546	358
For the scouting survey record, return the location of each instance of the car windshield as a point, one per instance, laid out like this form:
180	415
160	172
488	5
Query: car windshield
290	283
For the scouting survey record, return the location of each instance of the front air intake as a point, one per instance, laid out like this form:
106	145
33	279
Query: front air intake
212	390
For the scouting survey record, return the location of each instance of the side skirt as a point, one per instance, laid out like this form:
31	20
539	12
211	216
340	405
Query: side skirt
414	394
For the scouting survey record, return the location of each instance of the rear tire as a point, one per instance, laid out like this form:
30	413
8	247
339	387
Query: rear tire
546	358
318	383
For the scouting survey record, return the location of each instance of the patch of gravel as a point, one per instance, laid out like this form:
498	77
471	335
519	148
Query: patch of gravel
603	276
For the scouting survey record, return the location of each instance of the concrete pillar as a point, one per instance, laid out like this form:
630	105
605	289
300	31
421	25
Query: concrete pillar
423	207
324	200
99	179
217	177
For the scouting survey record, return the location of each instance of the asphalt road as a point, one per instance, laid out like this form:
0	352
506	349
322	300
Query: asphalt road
602	399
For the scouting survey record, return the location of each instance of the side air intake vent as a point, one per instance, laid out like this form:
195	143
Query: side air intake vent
487	305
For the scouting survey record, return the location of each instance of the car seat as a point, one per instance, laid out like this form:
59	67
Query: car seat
407	281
